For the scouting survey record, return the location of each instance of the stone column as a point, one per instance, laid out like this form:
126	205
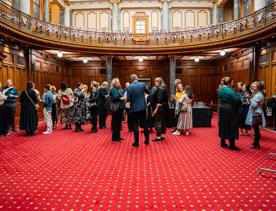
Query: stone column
259	4
172	75
236	9
115	15
25	6
46	11
67	15
165	14
215	12
109	69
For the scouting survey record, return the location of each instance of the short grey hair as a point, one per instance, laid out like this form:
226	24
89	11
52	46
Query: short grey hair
133	77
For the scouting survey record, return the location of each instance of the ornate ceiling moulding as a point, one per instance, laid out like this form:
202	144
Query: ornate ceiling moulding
43	43
115	1
168	1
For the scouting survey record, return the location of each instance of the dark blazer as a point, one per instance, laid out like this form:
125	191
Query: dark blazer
136	96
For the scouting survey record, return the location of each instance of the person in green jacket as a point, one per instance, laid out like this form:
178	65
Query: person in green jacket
229	103
116	93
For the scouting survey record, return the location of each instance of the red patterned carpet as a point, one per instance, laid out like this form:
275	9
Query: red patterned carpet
83	171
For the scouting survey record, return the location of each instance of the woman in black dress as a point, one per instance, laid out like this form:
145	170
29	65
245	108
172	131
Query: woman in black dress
28	100
229	103
245	96
101	103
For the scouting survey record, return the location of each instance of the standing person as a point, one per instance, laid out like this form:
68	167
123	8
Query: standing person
272	103
93	105
54	107
179	92
255	115
66	99
138	108
116	94
39	100
245	97
160	108
87	103
4	130
101	102
229	103
47	100
129	124
10	103
79	107
28	100
184	109
150	119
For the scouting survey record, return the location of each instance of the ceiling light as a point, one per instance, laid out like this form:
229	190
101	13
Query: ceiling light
60	54
141	59
85	60
196	59
222	52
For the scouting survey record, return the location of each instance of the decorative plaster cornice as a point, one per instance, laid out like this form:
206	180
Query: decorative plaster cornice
115	1
168	1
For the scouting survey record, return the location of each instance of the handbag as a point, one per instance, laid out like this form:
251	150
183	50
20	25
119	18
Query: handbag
257	118
35	105
114	106
184	107
65	99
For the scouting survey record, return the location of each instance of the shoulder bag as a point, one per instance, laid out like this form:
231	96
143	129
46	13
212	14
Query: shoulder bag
35	105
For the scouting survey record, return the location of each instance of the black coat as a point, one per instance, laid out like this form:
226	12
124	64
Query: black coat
101	101
28	119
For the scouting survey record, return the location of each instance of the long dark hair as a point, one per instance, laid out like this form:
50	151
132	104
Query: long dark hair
30	85
63	85
189	91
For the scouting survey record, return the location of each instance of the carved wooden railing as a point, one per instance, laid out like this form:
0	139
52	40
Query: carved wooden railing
37	29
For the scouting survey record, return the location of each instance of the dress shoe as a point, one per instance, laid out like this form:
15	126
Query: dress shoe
234	148
116	139
121	139
135	145
157	139
255	147
94	130
224	145
146	142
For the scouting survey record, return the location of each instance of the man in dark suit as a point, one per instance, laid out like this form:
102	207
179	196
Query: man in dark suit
138	106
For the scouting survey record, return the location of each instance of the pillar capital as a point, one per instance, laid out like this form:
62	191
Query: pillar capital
115	1
214	1
163	1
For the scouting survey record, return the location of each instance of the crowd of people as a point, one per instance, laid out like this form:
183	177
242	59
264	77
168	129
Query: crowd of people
141	106
241	109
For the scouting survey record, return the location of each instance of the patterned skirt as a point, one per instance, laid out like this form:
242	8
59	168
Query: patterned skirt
67	115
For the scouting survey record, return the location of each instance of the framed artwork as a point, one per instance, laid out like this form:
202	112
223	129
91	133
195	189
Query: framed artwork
147	81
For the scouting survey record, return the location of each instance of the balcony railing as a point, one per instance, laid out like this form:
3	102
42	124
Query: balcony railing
201	35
